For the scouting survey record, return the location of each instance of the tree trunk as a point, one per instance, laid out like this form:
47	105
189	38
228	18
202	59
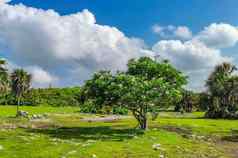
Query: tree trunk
143	123
141	117
5	98
18	103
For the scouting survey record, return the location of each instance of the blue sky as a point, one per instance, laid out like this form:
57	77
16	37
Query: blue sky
65	45
135	17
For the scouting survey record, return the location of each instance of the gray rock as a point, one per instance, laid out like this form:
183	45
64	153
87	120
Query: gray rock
34	116
22	113
156	146
161	156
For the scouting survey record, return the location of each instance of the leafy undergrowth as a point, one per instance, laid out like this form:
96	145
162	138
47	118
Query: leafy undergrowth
65	136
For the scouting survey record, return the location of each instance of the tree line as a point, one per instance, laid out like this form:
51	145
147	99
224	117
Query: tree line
145	87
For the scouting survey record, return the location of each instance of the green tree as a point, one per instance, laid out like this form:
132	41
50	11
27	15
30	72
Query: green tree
53	96
222	87
145	87
187	103
204	101
21	81
4	80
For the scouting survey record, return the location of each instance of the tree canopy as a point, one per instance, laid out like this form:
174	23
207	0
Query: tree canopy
144	87
222	86
20	82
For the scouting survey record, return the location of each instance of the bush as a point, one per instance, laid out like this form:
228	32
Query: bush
53	96
119	111
90	107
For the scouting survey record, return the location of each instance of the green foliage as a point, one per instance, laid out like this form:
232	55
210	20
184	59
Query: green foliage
92	108
204	101
89	107
148	69
223	88
53	96
146	86
20	83
190	102
4	80
46	96
119	110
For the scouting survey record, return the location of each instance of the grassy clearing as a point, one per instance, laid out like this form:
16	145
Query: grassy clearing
64	135
7	111
198	124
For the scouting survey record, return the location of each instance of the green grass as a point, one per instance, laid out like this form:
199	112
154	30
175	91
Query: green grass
6	111
64	135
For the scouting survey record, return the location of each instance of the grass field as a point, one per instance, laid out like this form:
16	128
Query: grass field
64	134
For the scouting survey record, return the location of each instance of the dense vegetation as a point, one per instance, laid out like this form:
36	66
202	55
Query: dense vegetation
146	87
223	89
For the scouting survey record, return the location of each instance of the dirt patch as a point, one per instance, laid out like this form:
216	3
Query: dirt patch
233	137
8	126
180	130
112	118
43	124
228	144
34	124
230	148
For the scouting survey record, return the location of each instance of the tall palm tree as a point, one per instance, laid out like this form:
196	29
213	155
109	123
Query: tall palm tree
4	79
222	87
218	77
21	81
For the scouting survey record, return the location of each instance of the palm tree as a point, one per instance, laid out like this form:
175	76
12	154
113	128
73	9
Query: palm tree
222	87
21	81
4	79
215	82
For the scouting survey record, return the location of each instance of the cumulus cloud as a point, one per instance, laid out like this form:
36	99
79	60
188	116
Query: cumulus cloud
157	29
170	31
219	35
4	1
66	50
63	44
194	58
183	32
198	55
188	55
40	77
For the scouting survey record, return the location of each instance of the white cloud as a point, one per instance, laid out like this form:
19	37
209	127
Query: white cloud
197	55
63	44
4	1
170	32
40	77
65	50
157	29
192	57
188	55
219	35
183	32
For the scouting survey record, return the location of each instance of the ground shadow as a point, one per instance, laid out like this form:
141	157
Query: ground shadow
233	137
178	130
90	133
182	118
